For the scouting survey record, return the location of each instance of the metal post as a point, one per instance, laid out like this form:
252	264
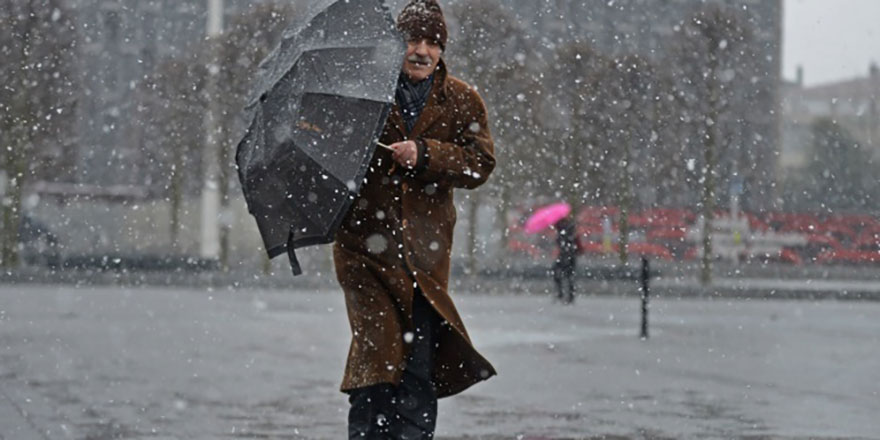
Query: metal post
646	275
874	76
736	190
3	183
210	237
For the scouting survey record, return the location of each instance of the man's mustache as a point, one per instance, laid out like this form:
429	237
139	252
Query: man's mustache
419	59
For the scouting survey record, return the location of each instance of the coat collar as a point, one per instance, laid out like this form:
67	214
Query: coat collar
433	108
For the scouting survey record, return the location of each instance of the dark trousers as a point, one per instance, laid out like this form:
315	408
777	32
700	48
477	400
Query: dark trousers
563	276
407	411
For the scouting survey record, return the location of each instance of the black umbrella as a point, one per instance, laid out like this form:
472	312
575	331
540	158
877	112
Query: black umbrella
320	103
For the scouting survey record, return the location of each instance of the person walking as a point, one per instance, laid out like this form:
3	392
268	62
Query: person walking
566	259
409	345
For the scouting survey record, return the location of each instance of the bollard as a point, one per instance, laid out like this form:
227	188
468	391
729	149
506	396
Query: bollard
646	275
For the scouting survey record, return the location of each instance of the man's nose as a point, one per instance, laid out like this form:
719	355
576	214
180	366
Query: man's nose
422	47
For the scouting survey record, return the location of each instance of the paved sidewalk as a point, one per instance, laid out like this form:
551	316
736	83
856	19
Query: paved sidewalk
146	363
14	421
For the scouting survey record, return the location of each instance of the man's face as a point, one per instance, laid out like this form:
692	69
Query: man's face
422	57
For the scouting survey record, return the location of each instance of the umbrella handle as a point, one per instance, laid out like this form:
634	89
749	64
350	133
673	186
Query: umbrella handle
384	146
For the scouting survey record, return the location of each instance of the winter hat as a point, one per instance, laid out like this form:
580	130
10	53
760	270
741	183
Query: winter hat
423	19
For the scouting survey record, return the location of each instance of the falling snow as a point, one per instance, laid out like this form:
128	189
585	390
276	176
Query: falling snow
168	143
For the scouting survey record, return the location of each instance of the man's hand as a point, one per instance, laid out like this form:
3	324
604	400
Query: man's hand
405	153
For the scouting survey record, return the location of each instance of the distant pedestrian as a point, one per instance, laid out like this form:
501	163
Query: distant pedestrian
563	267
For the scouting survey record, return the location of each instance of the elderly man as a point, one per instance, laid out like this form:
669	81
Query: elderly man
409	345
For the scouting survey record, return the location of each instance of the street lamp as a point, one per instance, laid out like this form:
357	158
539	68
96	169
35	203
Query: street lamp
210	231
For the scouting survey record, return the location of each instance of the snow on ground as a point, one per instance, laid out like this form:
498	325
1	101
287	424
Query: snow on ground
103	363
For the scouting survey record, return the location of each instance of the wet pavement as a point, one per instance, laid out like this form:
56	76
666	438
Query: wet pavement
117	363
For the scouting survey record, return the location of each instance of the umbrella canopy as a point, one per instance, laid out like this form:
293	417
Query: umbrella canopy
320	103
546	216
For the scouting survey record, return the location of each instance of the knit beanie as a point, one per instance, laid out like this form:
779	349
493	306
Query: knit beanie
423	19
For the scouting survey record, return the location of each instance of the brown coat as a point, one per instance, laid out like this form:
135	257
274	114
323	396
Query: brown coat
399	232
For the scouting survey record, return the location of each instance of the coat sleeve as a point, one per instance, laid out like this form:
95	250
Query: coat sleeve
469	158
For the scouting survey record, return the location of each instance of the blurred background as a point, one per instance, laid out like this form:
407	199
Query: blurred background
718	138
734	144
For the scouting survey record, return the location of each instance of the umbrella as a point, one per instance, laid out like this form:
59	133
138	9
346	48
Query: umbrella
546	216
319	105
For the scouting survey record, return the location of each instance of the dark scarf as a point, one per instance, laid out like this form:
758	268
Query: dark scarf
412	98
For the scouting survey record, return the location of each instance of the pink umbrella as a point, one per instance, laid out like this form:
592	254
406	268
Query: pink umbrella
546	216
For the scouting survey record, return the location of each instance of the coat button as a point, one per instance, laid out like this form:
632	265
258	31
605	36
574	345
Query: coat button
404	187
405	223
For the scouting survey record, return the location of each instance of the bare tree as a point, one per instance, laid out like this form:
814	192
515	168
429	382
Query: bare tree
629	122
841	172
523	140
175	98
669	161
712	51
247	40
489	53
578	105
171	105
36	108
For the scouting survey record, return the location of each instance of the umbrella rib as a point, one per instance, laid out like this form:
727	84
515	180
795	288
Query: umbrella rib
313	159
367	44
335	47
342	95
329	176
323	48
324	74
314	49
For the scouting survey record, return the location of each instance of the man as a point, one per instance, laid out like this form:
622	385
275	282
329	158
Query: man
409	345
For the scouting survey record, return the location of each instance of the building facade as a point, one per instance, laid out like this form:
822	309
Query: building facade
851	103
648	28
122	41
